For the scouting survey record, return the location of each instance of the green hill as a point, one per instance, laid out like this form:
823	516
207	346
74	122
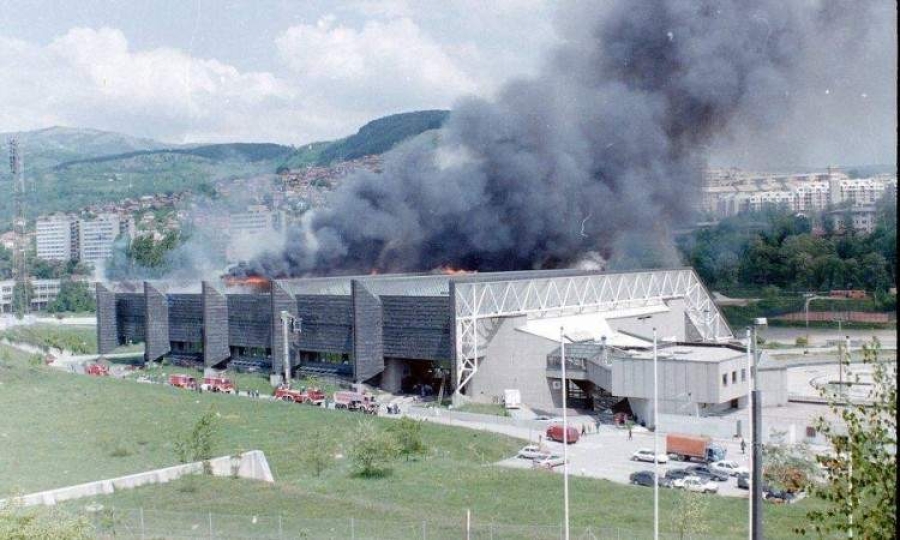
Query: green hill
376	137
48	147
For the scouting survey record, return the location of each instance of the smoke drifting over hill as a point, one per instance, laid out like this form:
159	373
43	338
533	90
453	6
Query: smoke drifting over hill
599	155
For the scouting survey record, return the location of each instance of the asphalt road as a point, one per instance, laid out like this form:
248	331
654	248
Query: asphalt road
607	454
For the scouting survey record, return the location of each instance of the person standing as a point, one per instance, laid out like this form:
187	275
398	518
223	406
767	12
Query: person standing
743	446
629	431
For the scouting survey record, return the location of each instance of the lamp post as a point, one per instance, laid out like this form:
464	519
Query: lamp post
562	357
655	440
756	436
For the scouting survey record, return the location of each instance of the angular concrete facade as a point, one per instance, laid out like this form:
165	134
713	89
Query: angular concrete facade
156	306
215	326
107	333
368	351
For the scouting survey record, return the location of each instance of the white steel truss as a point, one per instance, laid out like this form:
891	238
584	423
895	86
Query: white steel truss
479	300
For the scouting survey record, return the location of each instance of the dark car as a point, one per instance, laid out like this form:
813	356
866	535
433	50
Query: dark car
777	495
706	473
645	478
676	474
743	481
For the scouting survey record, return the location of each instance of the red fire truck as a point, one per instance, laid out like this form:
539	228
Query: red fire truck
218	384
355	401
180	380
96	370
310	396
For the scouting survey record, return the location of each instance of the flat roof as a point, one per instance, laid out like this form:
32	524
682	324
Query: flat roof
690	353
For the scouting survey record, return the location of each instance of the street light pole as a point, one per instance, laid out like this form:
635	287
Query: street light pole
562	357
655	440
756	472
750	410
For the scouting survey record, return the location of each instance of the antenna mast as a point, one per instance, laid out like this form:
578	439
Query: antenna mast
20	269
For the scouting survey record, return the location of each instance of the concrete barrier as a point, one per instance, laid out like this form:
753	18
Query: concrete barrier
251	465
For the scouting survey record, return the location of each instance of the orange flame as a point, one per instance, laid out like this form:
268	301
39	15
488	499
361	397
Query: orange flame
256	282
450	271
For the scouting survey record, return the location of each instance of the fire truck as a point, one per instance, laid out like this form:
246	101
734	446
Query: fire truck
218	384
355	401
310	396
183	381
96	370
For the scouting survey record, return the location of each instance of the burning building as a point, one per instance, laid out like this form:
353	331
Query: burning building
474	335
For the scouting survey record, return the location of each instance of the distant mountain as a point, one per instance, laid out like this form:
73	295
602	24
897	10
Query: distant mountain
48	147
376	137
251	152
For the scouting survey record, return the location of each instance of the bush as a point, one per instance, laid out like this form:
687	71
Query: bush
408	437
372	451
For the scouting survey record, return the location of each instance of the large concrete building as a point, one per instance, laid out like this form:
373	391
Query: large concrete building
44	292
54	238
476	335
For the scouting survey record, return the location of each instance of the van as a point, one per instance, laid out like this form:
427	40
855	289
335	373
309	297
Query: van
555	433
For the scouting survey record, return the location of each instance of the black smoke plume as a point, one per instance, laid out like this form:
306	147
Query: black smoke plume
601	154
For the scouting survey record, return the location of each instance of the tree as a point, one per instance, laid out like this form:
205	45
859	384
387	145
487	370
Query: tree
318	454
372	451
408	437
22	295
41	524
787	467
861	477
199	443
73	296
690	514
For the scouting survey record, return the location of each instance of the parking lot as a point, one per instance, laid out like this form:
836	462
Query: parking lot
607	454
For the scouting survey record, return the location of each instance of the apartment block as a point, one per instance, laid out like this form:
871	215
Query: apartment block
54	238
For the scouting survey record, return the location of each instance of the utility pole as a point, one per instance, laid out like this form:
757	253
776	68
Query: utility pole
756	410
288	320
565	384
17	168
655	439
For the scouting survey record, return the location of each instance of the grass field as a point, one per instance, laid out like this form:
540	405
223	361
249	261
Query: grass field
60	429
75	338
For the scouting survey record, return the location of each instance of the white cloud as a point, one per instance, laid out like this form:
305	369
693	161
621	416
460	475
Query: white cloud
384	64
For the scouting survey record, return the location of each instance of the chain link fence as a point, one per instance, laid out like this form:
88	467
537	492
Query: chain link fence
143	524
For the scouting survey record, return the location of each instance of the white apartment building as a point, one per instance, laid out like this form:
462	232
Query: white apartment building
95	238
249	231
54	238
44	291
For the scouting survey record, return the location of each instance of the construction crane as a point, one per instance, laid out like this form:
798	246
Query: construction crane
20	267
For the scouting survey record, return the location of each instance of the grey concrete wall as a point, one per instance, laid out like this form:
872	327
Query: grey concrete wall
215	326
251	465
392	376
107	335
327	323
249	320
281	301
417	327
131	317
512	359
368	321
157	323
772	384
670	323
186	318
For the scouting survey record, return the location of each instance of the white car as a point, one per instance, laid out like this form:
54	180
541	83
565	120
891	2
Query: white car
548	461
694	483
731	468
645	454
532	451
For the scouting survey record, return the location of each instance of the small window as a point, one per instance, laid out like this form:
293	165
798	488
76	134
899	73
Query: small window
724	379
743	374
733	377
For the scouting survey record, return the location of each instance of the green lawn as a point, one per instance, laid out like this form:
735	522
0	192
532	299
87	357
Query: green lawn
60	429
75	338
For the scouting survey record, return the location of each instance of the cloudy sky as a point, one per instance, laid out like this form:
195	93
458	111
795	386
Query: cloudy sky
299	71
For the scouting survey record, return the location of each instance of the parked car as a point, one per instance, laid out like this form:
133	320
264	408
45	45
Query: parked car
677	474
705	472
645	478
730	468
545	418
548	462
532	451
555	433
645	454
778	496
696	484
743	481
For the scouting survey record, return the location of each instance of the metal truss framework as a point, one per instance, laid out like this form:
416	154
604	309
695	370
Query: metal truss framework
476	301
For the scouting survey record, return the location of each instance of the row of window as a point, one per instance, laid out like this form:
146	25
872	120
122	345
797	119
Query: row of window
734	377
